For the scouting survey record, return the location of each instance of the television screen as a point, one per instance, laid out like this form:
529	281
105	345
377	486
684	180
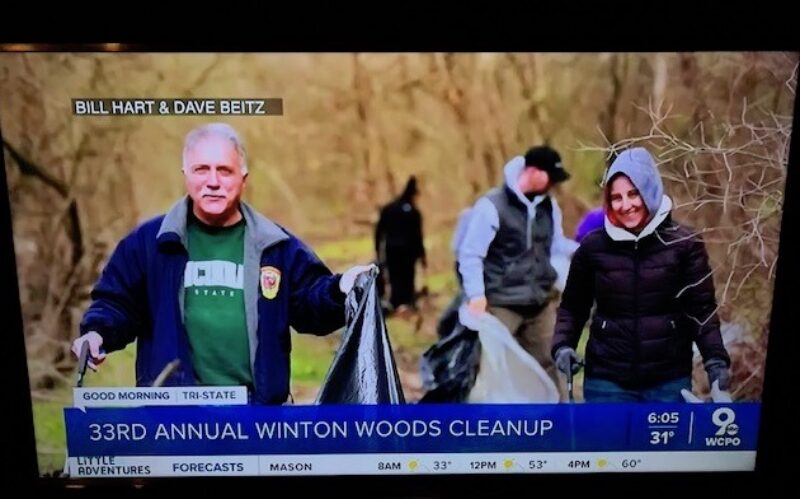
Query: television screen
281	264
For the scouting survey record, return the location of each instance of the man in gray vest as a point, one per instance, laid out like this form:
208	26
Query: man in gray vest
506	257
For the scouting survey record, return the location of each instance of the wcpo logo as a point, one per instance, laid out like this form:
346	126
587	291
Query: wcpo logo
727	430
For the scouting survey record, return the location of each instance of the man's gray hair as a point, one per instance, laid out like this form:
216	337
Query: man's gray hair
222	130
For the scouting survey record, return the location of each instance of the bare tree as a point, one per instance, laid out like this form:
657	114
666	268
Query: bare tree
726	178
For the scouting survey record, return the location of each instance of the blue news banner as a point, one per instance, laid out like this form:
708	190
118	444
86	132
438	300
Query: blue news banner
408	429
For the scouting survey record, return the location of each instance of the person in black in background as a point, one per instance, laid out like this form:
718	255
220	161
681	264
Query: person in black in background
399	245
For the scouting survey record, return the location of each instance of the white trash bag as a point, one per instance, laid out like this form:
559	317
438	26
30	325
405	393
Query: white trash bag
561	265
507	374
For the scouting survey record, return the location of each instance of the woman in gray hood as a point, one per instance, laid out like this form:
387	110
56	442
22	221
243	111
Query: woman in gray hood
651	282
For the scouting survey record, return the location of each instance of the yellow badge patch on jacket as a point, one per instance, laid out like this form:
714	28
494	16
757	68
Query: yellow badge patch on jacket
270	282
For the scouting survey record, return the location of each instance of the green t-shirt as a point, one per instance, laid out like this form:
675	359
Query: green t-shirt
214	304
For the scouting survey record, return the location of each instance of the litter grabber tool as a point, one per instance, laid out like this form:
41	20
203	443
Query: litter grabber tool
574	369
165	373
83	361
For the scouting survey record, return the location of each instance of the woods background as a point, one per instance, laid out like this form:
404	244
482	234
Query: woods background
355	126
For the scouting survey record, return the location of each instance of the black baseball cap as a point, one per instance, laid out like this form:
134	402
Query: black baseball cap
547	159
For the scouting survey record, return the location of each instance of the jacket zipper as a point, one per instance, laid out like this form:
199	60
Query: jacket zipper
528	227
530	221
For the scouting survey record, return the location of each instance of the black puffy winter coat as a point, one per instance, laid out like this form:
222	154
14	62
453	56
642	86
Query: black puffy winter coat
653	297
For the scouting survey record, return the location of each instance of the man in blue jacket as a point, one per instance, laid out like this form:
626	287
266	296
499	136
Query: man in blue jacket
213	284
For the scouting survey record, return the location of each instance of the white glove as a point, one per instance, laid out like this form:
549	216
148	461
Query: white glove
690	397
96	355
717	395
348	279
720	396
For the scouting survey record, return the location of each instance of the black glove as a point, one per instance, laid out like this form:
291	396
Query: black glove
717	370
567	359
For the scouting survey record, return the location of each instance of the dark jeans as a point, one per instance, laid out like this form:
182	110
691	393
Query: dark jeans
401	269
602	390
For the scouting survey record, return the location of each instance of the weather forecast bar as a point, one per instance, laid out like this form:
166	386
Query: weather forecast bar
409	464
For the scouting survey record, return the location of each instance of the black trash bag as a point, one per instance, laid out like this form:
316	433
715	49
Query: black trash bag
363	370
380	280
449	318
449	367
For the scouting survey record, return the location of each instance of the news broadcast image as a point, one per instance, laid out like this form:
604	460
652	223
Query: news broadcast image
395	263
